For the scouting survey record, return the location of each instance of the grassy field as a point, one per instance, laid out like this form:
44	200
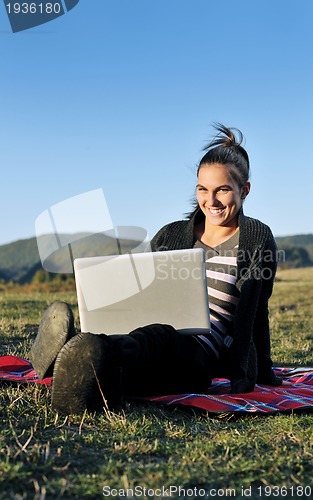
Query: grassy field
157	452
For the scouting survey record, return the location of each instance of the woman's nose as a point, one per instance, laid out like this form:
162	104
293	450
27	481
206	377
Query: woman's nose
211	199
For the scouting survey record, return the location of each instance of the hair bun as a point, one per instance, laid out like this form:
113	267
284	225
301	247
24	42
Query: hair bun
225	137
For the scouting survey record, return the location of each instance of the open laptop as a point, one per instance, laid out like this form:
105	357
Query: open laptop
119	293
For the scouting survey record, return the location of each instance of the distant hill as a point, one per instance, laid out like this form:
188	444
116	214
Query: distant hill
20	260
17	258
297	251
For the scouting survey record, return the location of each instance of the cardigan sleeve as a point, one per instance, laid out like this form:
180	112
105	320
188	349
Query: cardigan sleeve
261	331
243	370
252	322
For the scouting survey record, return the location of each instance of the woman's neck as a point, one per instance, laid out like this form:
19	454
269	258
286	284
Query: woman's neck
214	235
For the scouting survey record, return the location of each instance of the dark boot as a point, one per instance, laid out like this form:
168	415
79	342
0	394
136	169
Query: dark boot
55	329
85	377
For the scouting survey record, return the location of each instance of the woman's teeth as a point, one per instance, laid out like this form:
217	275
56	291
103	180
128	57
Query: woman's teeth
215	211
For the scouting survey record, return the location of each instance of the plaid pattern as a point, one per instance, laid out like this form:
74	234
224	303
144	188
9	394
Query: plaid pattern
17	369
296	392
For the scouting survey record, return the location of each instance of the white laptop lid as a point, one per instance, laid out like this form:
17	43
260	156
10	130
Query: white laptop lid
119	293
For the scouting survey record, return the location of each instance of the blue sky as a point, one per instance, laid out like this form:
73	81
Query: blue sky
121	95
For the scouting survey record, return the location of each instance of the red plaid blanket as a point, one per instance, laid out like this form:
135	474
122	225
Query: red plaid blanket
17	369
295	393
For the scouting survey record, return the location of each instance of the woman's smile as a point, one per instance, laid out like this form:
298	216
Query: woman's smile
216	211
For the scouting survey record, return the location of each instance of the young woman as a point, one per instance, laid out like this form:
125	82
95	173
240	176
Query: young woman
241	259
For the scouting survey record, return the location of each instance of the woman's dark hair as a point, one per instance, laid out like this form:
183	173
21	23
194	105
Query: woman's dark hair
226	149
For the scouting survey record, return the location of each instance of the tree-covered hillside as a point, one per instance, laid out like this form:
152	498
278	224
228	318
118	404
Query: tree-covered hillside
296	251
20	260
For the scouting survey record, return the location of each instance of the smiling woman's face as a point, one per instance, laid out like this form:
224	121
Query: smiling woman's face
219	196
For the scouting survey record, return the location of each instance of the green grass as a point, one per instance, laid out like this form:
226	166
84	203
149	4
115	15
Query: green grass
44	456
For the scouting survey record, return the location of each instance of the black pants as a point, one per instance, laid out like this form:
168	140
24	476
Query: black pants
158	360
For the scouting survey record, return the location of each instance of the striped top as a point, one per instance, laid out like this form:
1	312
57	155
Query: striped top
221	272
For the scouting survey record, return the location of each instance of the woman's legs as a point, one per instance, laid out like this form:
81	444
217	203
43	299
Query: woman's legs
87	368
167	362
93	371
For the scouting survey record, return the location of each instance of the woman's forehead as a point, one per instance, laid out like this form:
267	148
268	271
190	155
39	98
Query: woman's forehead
215	173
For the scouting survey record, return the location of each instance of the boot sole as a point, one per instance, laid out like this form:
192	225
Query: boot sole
78	374
55	329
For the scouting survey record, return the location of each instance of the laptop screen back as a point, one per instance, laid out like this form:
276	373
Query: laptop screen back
119	293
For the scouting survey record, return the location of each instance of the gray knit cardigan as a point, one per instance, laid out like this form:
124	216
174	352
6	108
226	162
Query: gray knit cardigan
256	269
